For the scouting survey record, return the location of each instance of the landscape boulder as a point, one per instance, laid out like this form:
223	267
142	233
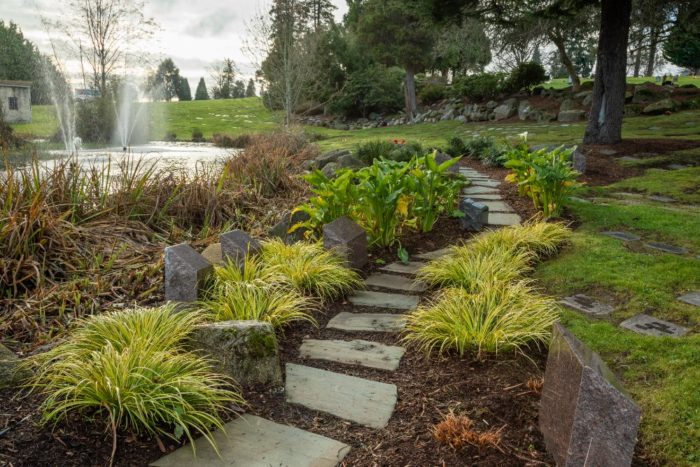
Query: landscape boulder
348	239
247	351
660	107
441	157
567	104
585	416
185	273
328	157
329	169
11	371
236	245
289	220
348	161
524	110
506	110
571	116
476	215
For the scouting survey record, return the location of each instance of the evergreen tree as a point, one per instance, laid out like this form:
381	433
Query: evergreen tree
224	77
250	89
201	94
682	48
238	89
165	82
183	92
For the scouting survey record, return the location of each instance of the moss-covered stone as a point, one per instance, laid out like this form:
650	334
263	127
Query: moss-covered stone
245	350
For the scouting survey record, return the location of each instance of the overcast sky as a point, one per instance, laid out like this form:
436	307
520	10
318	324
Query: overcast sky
194	33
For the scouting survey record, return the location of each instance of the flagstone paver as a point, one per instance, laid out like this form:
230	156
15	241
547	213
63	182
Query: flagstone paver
482	196
360	400
645	324
431	255
371	322
404	268
625	236
485	182
477	190
497	206
251	441
503	218
673	249
587	305
691	298
394	282
355	352
384	300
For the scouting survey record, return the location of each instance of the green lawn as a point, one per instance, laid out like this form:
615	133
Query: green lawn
561	83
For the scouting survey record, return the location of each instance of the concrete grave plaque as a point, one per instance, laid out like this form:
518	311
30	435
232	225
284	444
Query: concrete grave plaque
691	298
237	244
476	214
349	239
673	249
645	324
185	273
585	416
624	236
586	304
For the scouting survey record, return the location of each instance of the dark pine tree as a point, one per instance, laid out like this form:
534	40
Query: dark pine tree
201	93
250	89
183	91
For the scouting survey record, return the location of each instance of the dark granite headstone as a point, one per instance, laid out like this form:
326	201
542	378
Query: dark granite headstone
586	304
348	238
585	416
236	245
185	273
691	298
476	214
645	324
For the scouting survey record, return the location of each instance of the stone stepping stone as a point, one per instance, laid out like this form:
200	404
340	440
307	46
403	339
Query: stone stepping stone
370	322
360	400
251	441
431	255
356	352
384	300
487	183
691	298
625	236
645	324
497	206
587	305
479	190
502	218
666	248
403	268
487	196
394	282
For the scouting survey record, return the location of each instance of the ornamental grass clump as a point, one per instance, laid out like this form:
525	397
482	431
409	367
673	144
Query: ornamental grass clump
310	269
500	317
130	370
469	268
541	239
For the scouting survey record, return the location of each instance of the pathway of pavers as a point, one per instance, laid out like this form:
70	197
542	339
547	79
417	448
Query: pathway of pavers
254	441
484	189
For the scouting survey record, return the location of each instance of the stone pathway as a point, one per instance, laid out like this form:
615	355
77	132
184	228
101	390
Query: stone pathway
254	441
485	190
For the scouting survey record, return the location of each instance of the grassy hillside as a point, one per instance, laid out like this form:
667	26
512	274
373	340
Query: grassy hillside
561	83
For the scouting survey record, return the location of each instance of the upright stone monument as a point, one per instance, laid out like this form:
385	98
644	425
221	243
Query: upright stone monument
349	239
476	215
185	273
236	245
585	416
247	351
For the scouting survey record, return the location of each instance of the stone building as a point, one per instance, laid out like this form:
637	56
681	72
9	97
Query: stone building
16	101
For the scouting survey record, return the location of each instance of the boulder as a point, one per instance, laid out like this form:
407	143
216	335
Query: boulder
236	245
461	118
660	107
571	115
247	351
632	110
567	104
348	239
185	273
524	110
505	110
441	157
329	157
281	229
649	92
476	215
329	169
11	371
585	416
490	105
348	161
543	116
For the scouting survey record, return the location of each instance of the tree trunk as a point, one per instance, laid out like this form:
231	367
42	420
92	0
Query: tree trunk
653	42
638	59
410	94
558	41
605	121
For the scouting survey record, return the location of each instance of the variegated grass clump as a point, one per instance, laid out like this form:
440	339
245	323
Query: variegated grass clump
498	317
130	367
468	268
542	239
310	269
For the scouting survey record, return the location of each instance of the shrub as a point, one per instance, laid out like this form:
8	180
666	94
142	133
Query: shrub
456	147
480	147
372	89
469	268
525	76
395	150
479	87
197	136
501	317
170	136
310	269
547	177
540	239
95	120
131	369
274	303
228	141
432	93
